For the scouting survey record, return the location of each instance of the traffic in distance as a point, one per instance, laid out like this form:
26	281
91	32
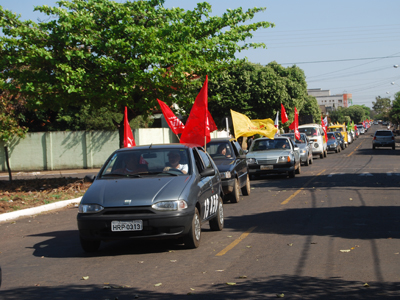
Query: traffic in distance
168	191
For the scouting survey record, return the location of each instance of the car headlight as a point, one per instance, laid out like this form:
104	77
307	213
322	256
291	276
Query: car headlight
302	151
225	175
89	208
283	159
170	205
251	160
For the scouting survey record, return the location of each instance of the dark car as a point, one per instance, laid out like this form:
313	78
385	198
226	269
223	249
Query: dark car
384	138
278	155
155	191
340	138
231	162
306	156
333	142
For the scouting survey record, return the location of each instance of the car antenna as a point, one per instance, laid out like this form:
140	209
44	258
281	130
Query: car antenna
151	145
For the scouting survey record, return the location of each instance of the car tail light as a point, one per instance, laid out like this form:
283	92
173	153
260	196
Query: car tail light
392	137
374	137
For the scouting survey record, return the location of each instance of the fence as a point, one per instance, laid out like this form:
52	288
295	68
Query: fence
73	149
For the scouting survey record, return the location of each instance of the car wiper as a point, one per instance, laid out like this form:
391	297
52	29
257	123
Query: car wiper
121	175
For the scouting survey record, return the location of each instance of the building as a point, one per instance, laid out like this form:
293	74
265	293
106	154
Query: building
328	102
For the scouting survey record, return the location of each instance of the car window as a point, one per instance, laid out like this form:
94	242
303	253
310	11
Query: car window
149	161
236	148
220	150
309	131
206	160
383	133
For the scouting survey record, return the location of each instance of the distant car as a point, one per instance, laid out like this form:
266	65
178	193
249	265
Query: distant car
316	135
306	156
340	139
268	156
375	122
384	123
383	138
152	192
333	143
361	129
231	162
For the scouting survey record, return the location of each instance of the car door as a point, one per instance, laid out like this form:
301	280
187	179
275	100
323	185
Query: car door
296	153
240	161
209	186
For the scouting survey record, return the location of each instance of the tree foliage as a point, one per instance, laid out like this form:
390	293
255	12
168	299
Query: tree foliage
356	113
258	91
382	106
394	113
109	55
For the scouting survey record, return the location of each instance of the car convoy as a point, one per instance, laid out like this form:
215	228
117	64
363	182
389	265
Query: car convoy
168	191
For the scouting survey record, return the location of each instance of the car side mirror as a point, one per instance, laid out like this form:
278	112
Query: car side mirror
89	178
207	172
246	151
296	148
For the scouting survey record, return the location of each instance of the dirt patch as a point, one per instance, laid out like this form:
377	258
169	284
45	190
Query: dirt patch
21	194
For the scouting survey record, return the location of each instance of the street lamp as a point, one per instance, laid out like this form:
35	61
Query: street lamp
395	66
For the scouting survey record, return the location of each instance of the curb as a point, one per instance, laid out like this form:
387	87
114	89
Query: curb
37	210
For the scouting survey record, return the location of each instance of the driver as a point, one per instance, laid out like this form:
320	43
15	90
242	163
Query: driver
174	162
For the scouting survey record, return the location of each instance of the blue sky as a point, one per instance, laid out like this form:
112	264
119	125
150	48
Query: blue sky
343	46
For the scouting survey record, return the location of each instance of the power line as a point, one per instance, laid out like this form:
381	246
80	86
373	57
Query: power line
337	60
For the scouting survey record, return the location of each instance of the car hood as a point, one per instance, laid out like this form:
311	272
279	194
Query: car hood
141	191
224	165
268	154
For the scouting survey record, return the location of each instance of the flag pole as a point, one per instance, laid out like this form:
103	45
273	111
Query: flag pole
178	137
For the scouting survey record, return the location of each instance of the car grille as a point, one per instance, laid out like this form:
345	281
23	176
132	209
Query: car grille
127	211
266	161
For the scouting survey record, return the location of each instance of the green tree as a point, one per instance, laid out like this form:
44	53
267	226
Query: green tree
258	91
382	106
356	113
9	126
111	55
394	113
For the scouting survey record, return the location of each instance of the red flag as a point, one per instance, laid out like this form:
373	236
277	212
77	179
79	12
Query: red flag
284	117
324	128
211	122
128	135
173	122
295	125
197	126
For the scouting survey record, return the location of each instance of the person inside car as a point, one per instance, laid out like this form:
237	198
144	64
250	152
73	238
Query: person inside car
223	150
174	163
131	165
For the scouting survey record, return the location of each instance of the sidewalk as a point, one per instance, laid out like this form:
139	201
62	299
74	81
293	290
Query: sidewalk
78	173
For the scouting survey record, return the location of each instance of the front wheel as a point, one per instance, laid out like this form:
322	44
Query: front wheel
90	245
246	188
311	160
217	223
192	239
235	195
394	148
321	155
298	170
292	174
307	163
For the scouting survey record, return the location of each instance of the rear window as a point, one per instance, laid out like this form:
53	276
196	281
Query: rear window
309	131
383	133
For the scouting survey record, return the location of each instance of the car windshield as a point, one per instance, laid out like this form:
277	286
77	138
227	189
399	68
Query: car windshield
331	136
218	150
261	145
146	162
309	131
292	137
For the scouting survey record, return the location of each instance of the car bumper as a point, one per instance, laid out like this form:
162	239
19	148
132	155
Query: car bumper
255	169
332	147
383	144
155	224
303	157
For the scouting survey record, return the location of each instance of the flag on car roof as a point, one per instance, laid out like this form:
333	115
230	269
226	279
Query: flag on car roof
200	123
173	122
284	117
128	135
295	125
243	126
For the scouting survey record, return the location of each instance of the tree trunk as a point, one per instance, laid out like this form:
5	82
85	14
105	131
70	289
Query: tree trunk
8	163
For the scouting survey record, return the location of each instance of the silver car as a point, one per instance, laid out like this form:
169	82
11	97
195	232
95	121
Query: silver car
154	192
305	146
278	155
383	138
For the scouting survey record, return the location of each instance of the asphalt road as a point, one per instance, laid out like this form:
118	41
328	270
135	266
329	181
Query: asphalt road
332	232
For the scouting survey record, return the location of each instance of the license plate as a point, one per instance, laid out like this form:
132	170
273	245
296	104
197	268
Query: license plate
127	225
266	167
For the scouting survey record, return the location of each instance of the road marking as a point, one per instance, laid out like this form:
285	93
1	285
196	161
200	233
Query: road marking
235	242
355	149
330	175
299	190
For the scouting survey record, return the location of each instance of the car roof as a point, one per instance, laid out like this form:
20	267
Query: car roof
222	139
310	125
160	146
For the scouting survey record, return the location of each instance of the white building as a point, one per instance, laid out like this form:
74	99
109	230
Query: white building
330	102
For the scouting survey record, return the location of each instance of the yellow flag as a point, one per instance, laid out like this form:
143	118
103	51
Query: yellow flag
243	126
